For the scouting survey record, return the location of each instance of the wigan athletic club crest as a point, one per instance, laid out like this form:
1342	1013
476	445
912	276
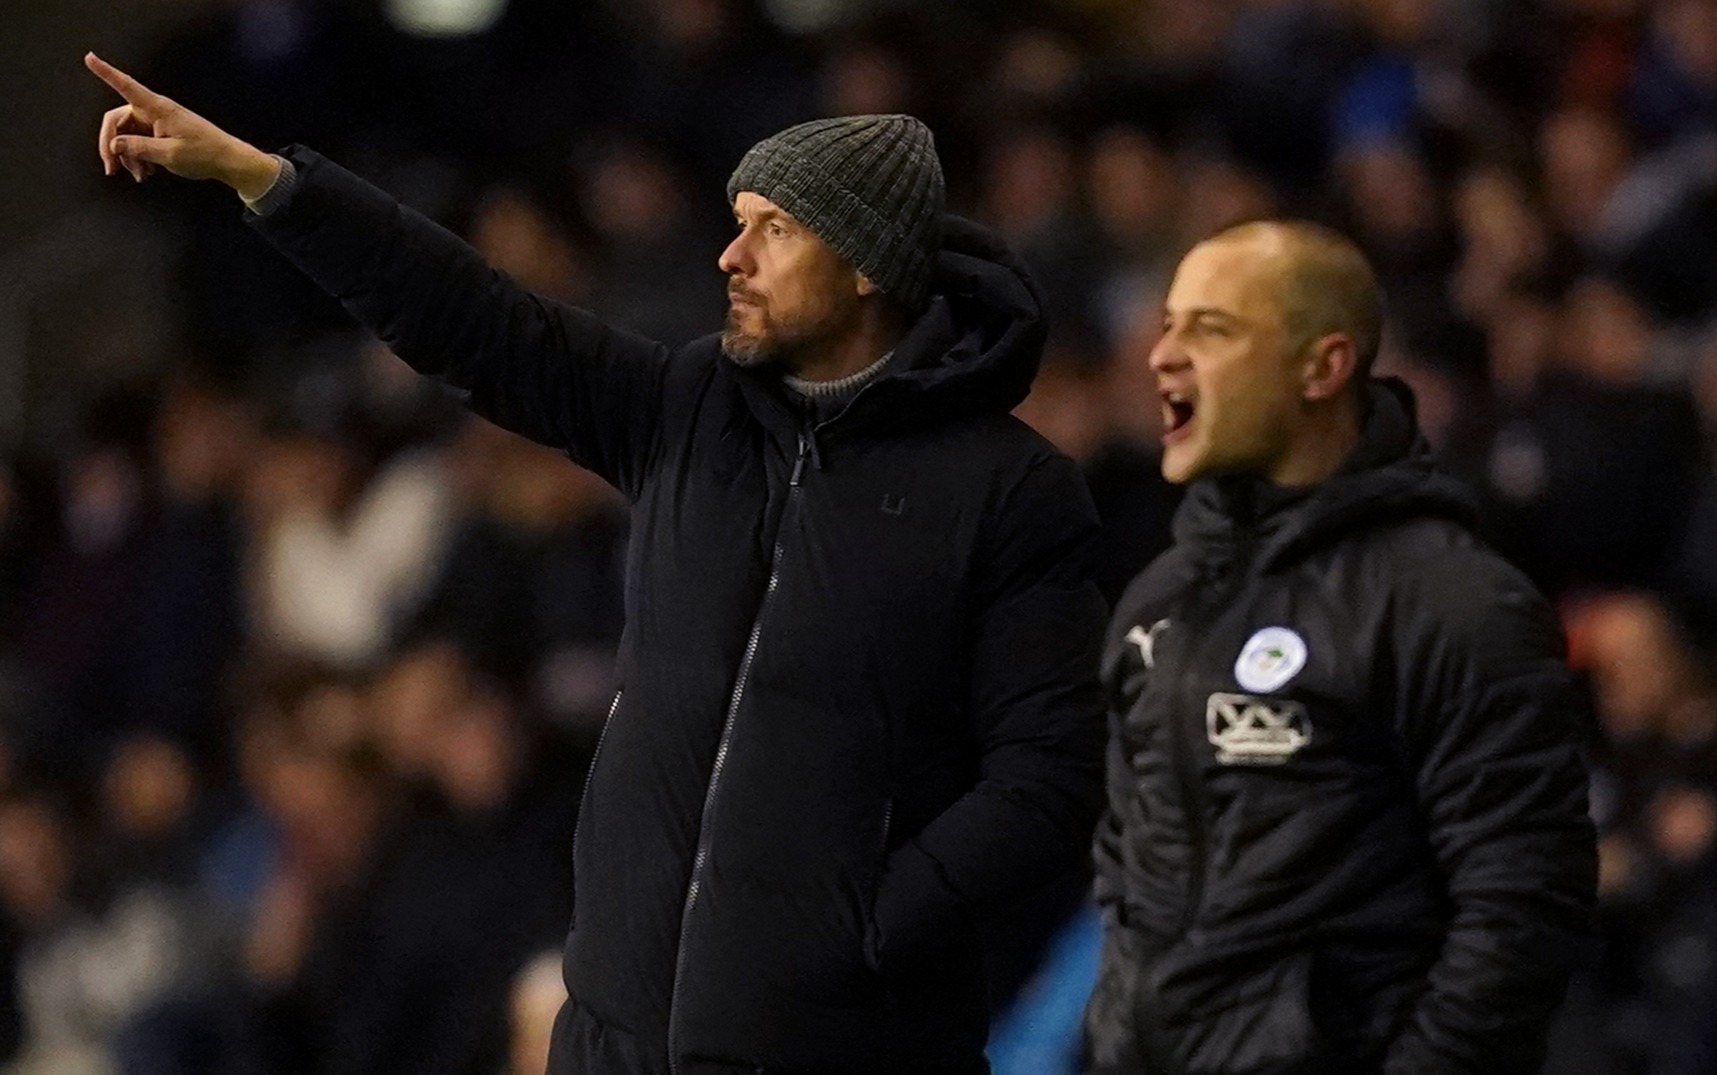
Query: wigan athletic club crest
1269	660
1246	730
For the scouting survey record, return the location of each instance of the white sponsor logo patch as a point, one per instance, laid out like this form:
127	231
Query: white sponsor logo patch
1269	659
1256	731
1147	641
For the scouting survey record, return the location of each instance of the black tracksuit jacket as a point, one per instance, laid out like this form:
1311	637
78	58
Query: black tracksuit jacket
1359	845
858	682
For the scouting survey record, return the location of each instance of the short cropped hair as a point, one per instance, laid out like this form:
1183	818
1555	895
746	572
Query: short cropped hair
1328	286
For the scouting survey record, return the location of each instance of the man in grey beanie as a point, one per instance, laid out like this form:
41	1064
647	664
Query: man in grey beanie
858	708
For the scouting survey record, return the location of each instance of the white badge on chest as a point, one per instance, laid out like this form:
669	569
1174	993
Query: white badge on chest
1270	658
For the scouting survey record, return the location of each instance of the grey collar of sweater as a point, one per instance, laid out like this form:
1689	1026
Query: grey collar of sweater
829	398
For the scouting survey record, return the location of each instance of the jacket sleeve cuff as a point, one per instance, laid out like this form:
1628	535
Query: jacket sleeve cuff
280	192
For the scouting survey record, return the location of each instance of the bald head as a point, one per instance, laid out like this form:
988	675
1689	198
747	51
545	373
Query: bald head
1269	331
1326	287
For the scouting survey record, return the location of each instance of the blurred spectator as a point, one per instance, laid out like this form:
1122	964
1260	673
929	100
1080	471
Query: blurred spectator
307	952
95	959
437	958
1398	219
1657	815
1504	244
1643	679
650	218
80	610
867	75
47	1032
1036	70
1384	103
1135	192
134	609
189	605
1220	194
518	235
1647	220
1285	62
1579	510
1673	93
1033	201
148	854
1598	51
343	549
538	993
1172	54
1586	155
149	795
532	584
1068	404
710	77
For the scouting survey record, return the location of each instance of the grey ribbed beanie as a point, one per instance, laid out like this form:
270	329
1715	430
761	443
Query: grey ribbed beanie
869	186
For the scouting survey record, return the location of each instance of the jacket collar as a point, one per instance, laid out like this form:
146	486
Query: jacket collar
975	349
1390	474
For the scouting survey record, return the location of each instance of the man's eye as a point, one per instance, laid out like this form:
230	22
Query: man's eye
777	230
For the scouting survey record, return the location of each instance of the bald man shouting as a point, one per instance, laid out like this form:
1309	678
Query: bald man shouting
1347	828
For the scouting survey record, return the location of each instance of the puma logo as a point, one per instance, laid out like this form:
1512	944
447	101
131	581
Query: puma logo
893	505
1146	640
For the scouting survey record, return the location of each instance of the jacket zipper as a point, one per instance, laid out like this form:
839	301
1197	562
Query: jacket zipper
1194	802
872	935
595	756
722	744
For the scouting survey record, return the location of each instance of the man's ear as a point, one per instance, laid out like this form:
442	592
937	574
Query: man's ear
1330	365
865	287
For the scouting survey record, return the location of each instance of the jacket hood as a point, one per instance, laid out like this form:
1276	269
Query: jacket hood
974	349
1390	475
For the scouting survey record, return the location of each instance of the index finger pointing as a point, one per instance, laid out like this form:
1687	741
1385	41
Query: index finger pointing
127	87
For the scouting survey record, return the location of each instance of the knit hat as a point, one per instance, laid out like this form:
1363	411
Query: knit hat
869	186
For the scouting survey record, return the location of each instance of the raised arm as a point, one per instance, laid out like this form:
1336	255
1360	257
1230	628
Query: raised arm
550	372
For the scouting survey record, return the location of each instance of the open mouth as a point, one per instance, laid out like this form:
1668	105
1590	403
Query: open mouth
1178	412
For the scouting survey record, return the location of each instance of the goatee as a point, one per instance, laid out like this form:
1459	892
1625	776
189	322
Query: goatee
743	349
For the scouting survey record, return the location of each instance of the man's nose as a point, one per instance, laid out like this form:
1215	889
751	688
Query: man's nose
736	259
1167	354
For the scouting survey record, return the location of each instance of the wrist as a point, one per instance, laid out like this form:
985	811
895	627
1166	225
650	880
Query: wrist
253	173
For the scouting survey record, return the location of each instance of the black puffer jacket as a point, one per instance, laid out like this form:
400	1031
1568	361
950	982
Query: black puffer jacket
1347	828
859	699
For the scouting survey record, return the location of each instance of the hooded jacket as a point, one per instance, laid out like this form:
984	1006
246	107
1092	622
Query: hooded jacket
1347	826
858	701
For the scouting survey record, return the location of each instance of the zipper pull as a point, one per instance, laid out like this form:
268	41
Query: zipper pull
799	463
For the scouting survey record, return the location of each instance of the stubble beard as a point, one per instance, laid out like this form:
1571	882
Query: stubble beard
787	343
747	350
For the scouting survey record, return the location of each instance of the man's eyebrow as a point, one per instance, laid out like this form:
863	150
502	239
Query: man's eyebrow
764	216
1204	313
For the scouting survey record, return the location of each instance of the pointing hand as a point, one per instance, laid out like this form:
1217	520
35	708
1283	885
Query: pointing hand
150	131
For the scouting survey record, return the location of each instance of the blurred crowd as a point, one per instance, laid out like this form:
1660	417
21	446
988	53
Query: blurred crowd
301	668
